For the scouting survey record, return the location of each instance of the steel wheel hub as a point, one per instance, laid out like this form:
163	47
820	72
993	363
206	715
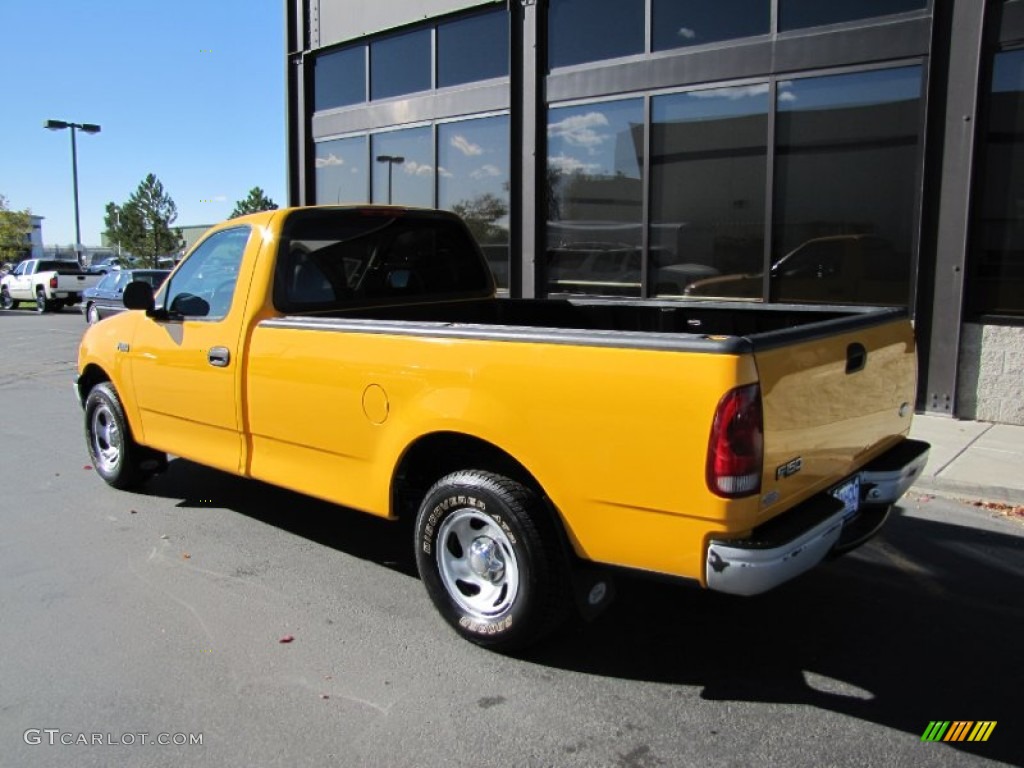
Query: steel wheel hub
477	563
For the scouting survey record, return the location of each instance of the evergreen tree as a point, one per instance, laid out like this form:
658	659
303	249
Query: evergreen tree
142	225
256	201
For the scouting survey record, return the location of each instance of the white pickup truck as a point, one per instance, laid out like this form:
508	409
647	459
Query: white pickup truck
51	284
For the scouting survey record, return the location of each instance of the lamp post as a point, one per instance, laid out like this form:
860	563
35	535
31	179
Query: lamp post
60	125
391	160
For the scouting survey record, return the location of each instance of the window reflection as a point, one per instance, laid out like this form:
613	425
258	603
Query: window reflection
341	175
847	157
796	14
473	48
400	64
406	174
339	78
590	30
681	23
708	177
595	198
473	179
996	282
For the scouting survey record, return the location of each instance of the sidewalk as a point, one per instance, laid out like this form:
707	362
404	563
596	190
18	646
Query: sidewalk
971	459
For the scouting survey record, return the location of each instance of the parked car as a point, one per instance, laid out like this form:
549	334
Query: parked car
105	299
109	262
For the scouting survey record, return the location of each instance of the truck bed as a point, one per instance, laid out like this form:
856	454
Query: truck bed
759	326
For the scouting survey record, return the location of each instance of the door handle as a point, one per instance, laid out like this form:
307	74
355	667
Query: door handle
219	356
856	357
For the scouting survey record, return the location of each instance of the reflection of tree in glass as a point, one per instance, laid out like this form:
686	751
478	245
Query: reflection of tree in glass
481	214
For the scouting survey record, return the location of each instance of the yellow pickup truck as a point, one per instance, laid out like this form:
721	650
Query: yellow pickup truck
359	355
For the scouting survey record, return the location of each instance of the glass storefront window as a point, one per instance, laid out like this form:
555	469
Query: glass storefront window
595	198
708	178
681	23
341	175
996	261
403	167
400	64
846	174
473	181
339	78
473	48
797	14
589	30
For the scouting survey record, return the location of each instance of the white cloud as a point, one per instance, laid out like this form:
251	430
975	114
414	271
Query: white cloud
732	94
687	33
444	172
412	168
579	130
331	159
568	164
787	96
465	146
486	172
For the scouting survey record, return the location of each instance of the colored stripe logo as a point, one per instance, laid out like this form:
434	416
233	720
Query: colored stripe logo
958	730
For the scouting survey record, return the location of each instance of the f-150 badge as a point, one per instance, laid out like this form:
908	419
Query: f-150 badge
789	469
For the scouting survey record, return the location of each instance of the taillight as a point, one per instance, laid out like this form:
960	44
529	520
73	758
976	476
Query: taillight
736	448
53	283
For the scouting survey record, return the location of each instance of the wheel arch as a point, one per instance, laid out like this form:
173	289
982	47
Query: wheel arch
89	378
432	456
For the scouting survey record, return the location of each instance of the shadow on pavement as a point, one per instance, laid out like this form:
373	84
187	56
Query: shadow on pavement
924	623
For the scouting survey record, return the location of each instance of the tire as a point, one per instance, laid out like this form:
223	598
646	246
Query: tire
6	302
489	557
41	304
92	314
115	455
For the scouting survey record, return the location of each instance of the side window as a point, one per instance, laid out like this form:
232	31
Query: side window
107	283
123	278
204	285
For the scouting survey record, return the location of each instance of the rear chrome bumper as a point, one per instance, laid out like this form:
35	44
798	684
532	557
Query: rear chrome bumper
799	539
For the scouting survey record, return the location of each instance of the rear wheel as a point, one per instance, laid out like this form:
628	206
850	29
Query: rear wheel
41	303
117	458
488	555
6	302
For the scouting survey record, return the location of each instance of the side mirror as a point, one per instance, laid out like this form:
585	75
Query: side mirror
138	294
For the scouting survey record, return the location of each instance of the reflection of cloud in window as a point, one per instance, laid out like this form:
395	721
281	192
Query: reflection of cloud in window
486	171
687	33
567	164
444	172
412	168
331	159
578	130
732	94
785	94
465	146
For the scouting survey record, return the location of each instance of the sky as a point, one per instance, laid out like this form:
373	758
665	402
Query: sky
191	91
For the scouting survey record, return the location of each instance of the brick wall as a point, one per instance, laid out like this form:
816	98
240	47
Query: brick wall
990	384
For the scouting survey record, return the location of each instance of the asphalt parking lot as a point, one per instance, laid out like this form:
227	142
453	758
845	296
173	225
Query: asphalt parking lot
162	613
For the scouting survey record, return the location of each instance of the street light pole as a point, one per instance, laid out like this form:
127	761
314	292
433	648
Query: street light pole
391	160
59	125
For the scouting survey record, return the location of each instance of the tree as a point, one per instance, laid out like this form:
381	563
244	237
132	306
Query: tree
142	226
481	214
14	226
256	201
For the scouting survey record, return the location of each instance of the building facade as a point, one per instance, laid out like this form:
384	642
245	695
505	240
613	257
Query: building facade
855	151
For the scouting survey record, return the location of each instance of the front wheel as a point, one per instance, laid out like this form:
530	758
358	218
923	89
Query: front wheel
6	302
92	314
117	458
488	555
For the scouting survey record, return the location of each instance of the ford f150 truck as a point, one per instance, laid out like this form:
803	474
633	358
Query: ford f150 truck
51	284
359	355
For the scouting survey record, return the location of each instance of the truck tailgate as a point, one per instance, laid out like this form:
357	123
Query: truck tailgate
831	404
